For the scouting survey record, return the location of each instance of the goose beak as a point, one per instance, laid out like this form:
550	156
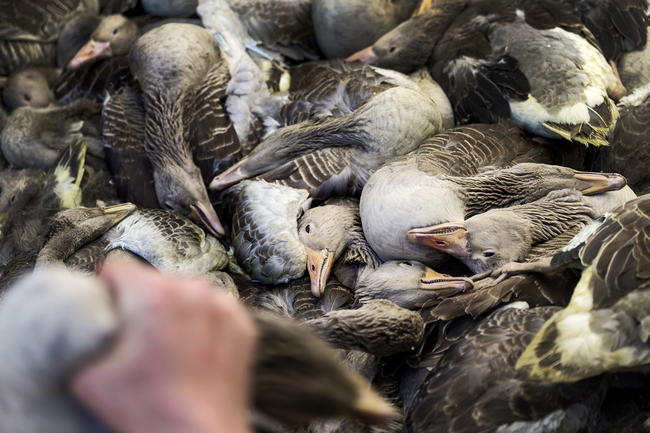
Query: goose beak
205	216
425	5
367	56
234	174
600	182
319	265
119	211
90	53
450	238
433	280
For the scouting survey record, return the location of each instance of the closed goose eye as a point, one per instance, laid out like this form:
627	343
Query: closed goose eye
308	228
488	253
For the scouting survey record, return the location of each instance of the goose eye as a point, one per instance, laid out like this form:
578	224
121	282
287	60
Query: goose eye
488	253
27	97
308	228
406	264
115	31
391	50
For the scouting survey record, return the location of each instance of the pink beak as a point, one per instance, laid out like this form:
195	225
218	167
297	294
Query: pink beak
367	56
89	53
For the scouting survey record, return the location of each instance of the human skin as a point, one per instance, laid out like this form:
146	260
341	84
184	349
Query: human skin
181	361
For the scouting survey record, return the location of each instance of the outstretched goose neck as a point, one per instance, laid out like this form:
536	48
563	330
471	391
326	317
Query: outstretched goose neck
484	192
166	139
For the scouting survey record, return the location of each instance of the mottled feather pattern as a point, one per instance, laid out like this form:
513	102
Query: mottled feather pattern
123	134
215	144
93	82
265	230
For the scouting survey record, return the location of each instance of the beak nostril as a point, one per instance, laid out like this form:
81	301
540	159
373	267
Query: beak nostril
313	267
441	243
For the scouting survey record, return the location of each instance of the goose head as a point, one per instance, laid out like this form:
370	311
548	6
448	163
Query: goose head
369	19
114	36
409	284
483	242
182	190
325	233
28	88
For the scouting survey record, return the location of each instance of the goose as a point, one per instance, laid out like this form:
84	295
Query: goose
607	311
170	62
489	240
334	19
28	198
489	57
36	137
357	120
378	327
475	386
29	87
399	198
265	230
628	151
31	29
81	323
634	69
333	240
170	8
168	241
408	284
113	36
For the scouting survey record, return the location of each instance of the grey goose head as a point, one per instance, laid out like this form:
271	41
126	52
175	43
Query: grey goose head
114	36
409	284
28	88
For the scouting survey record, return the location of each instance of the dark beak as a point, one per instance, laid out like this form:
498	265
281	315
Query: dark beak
450	238
89	53
233	175
205	216
601	182
367	56
319	265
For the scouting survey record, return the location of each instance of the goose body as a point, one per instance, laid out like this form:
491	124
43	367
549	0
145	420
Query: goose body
475	386
513	59
608	310
169	242
357	119
265	230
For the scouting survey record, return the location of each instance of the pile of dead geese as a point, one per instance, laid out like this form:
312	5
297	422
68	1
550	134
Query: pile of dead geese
430	207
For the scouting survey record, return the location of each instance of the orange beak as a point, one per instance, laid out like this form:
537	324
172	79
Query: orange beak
319	265
601	182
446	284
367	56
89	53
450	238
205	216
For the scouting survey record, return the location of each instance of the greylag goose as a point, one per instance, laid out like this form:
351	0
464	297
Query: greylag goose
634	68
170	62
493	59
168	241
343	123
113	36
28	88
408	284
30	30
334	241
28	198
35	137
265	230
334	20
81	323
378	327
489	240
475	386
399	197
628	151
606	319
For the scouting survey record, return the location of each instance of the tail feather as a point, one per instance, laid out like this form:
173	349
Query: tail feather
602	120
68	173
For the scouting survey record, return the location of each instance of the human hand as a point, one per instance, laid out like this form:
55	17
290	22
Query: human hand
181	362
